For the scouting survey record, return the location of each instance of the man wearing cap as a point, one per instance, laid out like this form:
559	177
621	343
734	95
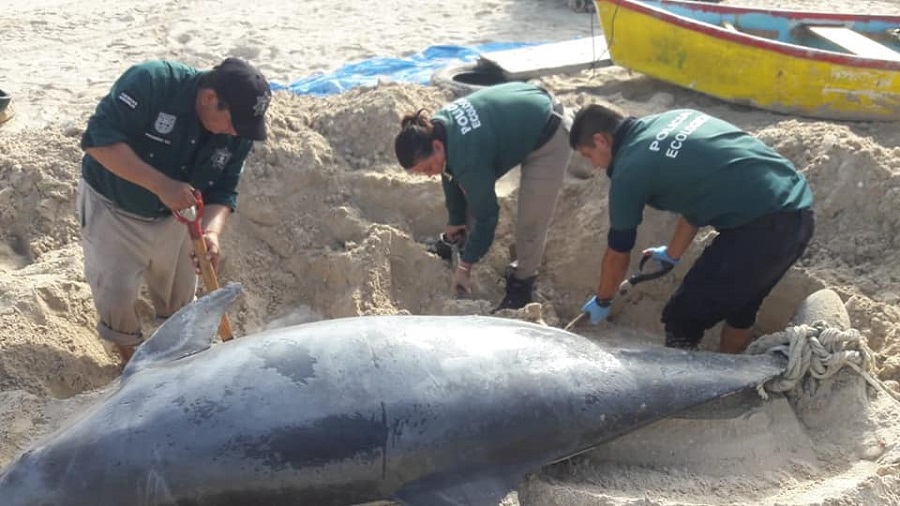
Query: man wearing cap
164	132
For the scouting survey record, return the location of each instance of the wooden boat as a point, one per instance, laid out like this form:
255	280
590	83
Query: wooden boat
821	65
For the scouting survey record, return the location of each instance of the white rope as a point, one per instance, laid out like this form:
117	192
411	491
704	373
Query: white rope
817	351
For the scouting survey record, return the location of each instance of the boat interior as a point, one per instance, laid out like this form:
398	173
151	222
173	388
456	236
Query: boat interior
870	38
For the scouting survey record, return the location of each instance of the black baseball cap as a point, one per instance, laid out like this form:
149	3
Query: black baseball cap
247	94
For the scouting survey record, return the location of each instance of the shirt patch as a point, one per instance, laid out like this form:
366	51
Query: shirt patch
220	158
164	123
127	100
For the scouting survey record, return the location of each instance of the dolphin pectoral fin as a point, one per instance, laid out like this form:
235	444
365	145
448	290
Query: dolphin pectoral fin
487	489
190	330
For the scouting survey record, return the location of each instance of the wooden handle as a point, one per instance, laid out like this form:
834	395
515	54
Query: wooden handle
574	322
211	283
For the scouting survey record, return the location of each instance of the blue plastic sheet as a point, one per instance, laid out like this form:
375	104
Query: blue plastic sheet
414	69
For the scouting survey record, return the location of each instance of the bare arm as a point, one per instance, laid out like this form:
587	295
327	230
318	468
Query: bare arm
122	161
613	272
214	218
682	238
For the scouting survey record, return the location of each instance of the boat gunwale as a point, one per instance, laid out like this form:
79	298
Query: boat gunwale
793	50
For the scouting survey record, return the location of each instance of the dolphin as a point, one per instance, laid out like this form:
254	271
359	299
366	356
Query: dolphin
418	410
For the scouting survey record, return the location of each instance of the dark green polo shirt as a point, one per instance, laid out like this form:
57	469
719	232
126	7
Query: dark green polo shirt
488	133
703	168
151	108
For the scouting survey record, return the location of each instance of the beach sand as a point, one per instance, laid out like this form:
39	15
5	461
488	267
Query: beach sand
328	226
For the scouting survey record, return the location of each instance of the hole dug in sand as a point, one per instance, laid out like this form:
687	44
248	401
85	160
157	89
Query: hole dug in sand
329	226
737	450
11	256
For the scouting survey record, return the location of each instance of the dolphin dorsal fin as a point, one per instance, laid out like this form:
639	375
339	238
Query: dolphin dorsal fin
190	330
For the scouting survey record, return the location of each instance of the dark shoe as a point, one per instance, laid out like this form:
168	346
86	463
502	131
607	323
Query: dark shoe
518	291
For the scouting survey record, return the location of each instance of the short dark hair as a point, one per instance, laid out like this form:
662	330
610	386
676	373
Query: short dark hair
594	119
413	143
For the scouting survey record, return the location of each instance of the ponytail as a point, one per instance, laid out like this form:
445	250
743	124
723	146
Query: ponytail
413	143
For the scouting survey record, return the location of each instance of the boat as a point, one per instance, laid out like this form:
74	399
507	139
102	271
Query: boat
820	65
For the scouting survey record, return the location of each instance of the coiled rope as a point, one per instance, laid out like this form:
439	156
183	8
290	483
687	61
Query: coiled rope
818	351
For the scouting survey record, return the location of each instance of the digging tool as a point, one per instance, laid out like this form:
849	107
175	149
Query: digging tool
640	276
454	263
634	279
193	216
444	243
574	322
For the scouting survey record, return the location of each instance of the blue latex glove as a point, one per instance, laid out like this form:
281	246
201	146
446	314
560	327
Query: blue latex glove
661	255
598	311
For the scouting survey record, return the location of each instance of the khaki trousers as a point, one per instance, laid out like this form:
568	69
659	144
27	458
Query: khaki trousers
124	250
542	174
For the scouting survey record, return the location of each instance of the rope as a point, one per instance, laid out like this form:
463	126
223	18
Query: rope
817	351
594	15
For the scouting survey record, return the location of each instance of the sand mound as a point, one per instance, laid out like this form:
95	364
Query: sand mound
329	226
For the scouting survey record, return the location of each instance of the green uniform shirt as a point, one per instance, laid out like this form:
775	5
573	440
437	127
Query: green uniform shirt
151	108
703	168
488	133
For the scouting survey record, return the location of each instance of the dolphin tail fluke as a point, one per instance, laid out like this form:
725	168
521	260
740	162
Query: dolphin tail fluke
190	330
824	305
481	489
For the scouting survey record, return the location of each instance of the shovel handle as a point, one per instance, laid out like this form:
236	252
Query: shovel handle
192	218
641	276
208	273
574	322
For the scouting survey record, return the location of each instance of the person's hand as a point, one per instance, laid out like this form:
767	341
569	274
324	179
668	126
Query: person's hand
660	255
462	281
176	195
597	310
212	252
455	232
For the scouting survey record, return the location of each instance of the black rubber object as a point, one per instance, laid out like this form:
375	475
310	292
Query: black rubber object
466	78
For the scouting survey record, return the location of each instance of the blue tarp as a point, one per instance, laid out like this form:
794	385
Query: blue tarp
414	69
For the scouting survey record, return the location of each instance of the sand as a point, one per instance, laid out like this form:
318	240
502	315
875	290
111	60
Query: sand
328	226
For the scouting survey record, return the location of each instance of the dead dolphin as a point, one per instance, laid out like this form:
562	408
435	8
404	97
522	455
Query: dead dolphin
422	410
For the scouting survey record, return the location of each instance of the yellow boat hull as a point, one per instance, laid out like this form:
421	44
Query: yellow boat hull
727	67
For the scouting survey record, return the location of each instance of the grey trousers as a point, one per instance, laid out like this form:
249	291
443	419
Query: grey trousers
122	251
542	174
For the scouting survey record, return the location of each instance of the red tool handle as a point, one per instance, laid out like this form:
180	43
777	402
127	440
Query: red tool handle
207	272
194	222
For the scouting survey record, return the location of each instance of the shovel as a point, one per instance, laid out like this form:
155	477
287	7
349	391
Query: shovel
455	247
192	216
641	276
460	292
634	279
